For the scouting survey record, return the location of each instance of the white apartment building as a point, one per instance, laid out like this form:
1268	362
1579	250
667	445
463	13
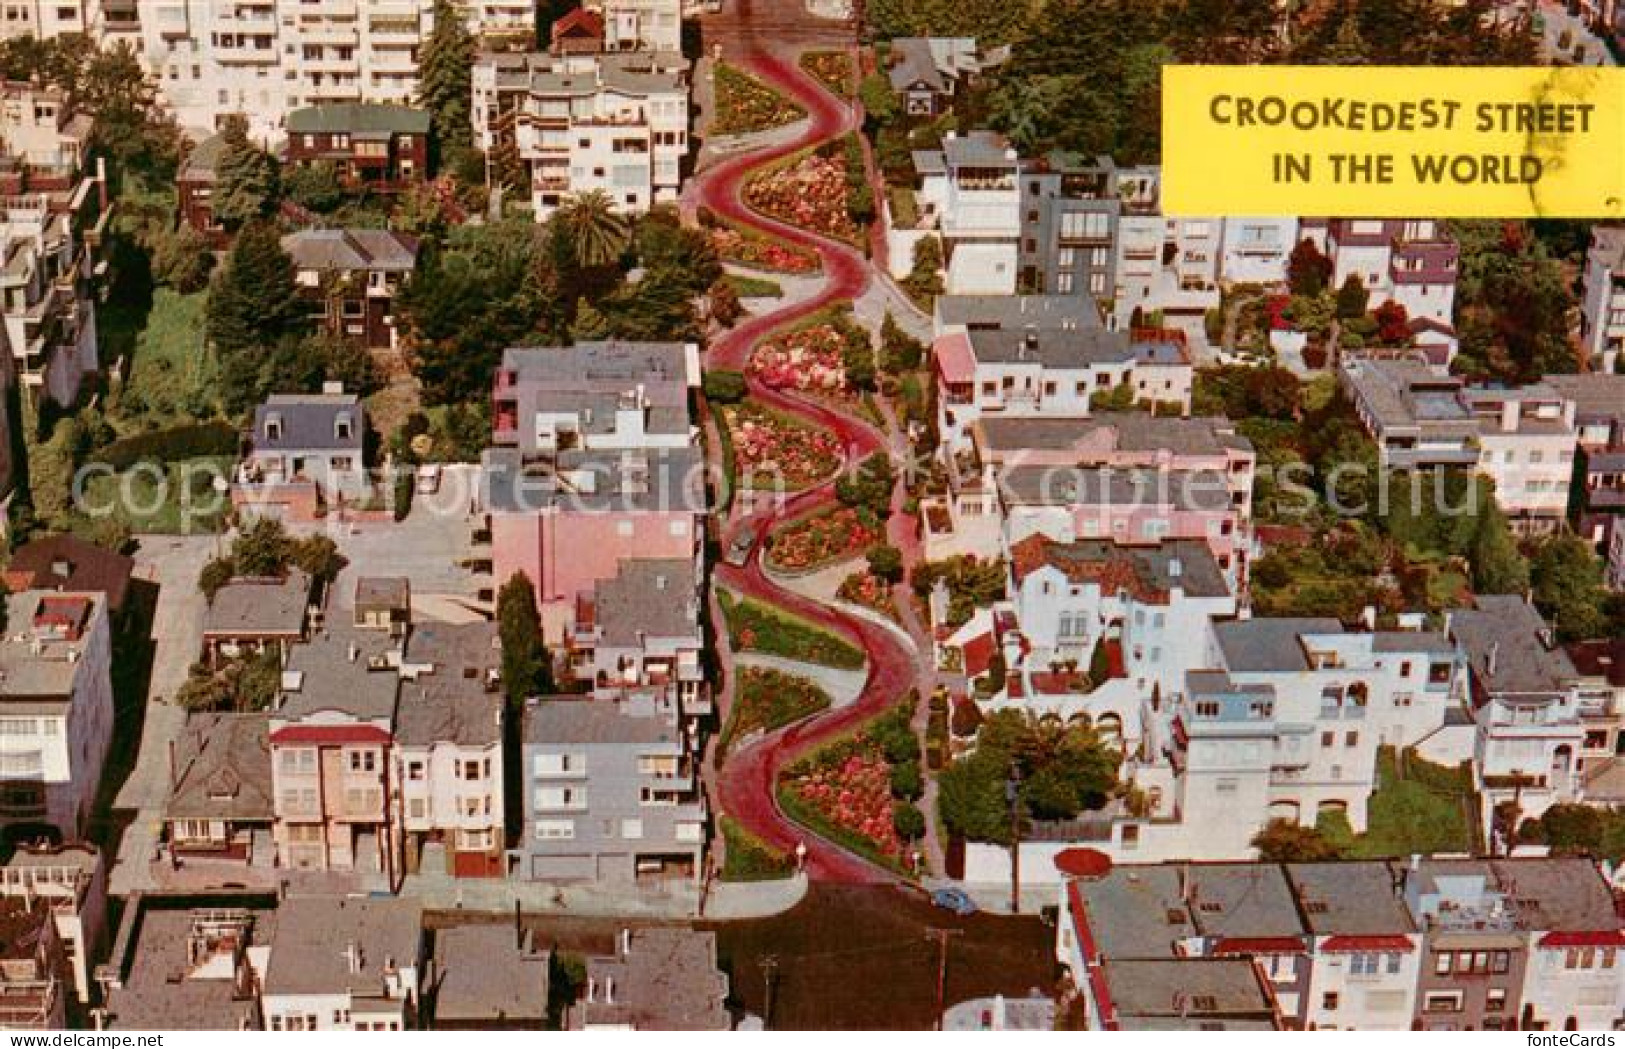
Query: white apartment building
44	19
52	212
1602	301
56	707
970	194
1524	439
640	25
611	122
1162	263
448	750
1255	249
72	879
1526	702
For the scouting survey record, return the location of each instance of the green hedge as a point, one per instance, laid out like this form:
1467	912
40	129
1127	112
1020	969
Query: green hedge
190	441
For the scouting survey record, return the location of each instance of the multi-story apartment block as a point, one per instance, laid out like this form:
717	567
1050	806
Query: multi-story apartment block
46	19
448	749
332	754
579	122
33	994
1524	692
1256	249
53	214
1161	264
970	195
640	630
640	25
1524	439
611	794
1474	945
1602	300
1069	227
342	963
1045	357
71	880
1597	506
56	707
1601	666
598	396
350	277
1575	938
382	148
1411	261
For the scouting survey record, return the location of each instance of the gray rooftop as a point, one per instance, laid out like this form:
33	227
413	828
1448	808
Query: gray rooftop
39	662
594	380
484	975
308	950
1504	638
594	721
159	992
1044	312
1189	990
1137	912
1148	571
1193	490
1242	900
1349	899
1598	397
259	606
342	669
1268	645
1560	894
666	980
223	769
648	598
1117	431
310	422
979	149
1070	349
634	73
352	250
357	118
458	701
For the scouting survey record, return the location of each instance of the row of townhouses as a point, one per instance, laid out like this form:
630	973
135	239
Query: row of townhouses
1411	944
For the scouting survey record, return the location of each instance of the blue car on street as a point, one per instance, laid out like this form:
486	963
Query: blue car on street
955	900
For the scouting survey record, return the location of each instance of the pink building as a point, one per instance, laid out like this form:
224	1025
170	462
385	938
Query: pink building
569	522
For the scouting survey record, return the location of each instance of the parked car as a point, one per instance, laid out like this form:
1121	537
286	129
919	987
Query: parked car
739	549
428	479
955	900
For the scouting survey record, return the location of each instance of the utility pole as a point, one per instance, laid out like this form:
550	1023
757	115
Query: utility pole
941	936
1012	793
770	977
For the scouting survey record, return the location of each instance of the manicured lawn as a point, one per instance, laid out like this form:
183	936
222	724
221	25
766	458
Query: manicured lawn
745	104
748	858
767	699
182	501
172	373
752	627
832	69
754	287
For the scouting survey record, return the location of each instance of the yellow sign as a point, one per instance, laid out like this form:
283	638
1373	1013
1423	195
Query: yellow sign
1390	142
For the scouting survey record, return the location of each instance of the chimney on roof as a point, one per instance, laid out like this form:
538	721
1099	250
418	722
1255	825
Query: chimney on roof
1176	568
626	943
1494	658
355	651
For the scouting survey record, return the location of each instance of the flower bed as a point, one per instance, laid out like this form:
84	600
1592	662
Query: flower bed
769	448
810	193
767	699
859	791
822	539
865	589
763	254
832	69
807	361
744	104
753	627
748	858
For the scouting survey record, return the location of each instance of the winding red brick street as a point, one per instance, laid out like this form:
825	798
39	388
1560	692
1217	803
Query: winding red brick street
746	782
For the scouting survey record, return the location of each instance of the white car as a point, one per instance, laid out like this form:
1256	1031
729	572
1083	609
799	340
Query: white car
428	479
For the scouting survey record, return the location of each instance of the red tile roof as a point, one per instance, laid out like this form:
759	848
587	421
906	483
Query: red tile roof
1259	945
1359	944
955	361
1600	938
978	652
328	735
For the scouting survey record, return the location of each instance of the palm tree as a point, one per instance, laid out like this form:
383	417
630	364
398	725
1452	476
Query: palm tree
597	232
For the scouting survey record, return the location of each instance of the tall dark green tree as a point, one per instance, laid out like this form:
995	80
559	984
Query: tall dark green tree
247	181
254	306
527	669
445	70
